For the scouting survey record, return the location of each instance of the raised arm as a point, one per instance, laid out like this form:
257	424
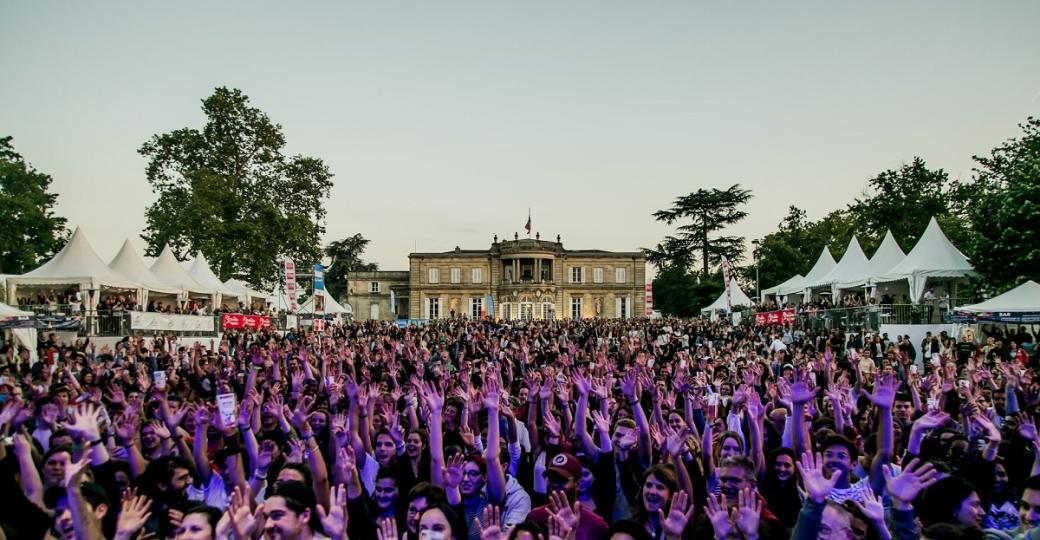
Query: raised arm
435	401
496	483
29	477
883	397
582	413
202	465
630	388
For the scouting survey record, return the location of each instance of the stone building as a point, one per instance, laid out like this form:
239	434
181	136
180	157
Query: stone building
513	279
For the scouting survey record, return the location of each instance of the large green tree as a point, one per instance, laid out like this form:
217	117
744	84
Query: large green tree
31	233
705	213
1003	205
796	244
230	191
346	256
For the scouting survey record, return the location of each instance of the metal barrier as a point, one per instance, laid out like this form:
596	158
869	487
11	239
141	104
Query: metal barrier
53	309
872	317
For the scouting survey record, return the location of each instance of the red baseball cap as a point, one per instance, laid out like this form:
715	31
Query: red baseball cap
565	465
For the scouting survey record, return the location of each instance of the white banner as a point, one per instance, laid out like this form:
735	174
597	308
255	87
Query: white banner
167	321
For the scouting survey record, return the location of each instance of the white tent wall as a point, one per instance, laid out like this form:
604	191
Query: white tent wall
824	264
933	257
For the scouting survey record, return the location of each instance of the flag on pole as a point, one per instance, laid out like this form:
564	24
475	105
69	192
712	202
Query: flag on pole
725	276
528	226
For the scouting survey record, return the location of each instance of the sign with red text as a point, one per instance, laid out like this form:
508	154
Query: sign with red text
238	321
783	316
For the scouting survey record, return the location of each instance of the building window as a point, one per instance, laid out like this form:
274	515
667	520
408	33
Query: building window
373	287
477	275
476	307
433	308
577	274
373	312
506	312
456	275
435	275
597	275
619	275
621	308
575	308
547	311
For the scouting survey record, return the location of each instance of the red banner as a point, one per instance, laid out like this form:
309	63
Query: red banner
237	321
784	316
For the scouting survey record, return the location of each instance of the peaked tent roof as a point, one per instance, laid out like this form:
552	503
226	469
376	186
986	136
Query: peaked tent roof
77	262
933	256
794	284
331	305
824	264
852	263
203	275
243	288
8	311
171	273
129	264
279	299
888	255
1022	299
737	298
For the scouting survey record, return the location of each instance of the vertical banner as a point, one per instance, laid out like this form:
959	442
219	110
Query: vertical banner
649	299
725	276
319	290
290	283
490	306
393	304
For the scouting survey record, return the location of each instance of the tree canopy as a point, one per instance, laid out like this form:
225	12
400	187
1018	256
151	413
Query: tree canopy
230	191
706	213
31	232
346	254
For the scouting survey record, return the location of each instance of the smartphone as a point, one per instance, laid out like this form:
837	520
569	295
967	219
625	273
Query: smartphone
935	361
913	369
682	364
933	404
963	383
159	378
3	380
713	400
226	404
650	363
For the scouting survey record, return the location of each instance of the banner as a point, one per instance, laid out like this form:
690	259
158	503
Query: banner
649	299
168	321
783	316
490	306
290	284
237	321
725	276
319	277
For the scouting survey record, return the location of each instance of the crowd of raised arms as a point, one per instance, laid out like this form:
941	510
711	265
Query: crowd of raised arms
600	429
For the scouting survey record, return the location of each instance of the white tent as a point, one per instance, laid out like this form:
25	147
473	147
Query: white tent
793	285
934	256
824	264
6	312
887	256
737	298
245	291
172	274
203	275
279	299
77	264
27	337
852	263
332	307
1022	299
129	264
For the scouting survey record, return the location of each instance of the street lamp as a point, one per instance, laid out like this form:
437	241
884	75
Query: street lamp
758	288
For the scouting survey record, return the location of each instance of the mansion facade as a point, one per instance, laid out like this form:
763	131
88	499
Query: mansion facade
518	279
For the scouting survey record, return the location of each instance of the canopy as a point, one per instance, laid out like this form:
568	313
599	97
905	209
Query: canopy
130	265
76	264
824	264
332	307
888	255
934	256
172	274
203	275
852	263
279	299
1022	299
737	298
7	311
243	289
794	284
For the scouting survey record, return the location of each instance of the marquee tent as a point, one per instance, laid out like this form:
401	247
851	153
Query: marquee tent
1022	299
887	256
851	264
77	264
824	264
795	284
172	274
332	307
934	256
737	298
25	336
129	264
243	290
203	275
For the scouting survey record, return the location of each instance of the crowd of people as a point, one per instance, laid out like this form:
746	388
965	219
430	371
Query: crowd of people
538	430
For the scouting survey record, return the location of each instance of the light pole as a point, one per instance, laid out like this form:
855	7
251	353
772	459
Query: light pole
758	288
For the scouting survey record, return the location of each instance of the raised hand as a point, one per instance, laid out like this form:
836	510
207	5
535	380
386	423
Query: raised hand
387	529
84	422
932	420
552	425
800	393
490	524
680	511
905	486
817	485
135	512
581	383
335	519
719	516
74	471
453	471
872	507
243	522
1026	427
748	512
884	393
601	421
562	510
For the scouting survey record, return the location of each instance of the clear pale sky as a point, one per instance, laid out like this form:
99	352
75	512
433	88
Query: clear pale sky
443	121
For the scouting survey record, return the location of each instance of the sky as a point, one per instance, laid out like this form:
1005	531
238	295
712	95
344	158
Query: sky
443	122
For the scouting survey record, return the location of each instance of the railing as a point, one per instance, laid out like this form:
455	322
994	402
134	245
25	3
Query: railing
53	309
872	317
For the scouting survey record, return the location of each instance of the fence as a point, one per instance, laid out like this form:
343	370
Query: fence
872	317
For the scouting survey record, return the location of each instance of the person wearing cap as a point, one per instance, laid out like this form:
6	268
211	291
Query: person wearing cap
562	476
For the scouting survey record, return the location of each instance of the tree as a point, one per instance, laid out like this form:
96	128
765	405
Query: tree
797	243
678	293
230	191
31	233
1004	211
709	212
346	254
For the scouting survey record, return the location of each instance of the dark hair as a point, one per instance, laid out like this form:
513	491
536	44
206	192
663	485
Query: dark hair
212	514
946	531
940	502
632	528
534	528
459	530
740	462
298	498
838	440
305	471
1033	483
57	450
433	494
